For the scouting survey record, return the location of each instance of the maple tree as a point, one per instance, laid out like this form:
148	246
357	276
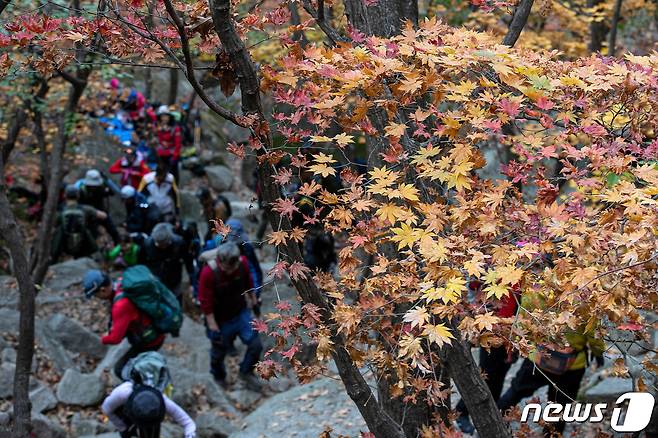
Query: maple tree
429	100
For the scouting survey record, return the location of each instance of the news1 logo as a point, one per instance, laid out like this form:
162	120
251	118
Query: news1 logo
638	412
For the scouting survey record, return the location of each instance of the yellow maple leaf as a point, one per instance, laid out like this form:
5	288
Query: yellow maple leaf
322	158
405	236
343	139
319	139
497	290
322	169
438	334
406	191
509	274
417	316
486	321
390	212
277	237
395	130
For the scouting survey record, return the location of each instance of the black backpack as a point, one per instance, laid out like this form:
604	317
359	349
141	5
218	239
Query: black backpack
146	410
74	228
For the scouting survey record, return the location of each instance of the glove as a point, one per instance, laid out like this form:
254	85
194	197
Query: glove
256	310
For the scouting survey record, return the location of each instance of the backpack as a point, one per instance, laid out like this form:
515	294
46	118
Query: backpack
74	227
554	359
152	297
149	368
146	409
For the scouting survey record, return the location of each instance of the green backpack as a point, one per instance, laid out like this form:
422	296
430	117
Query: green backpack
152	297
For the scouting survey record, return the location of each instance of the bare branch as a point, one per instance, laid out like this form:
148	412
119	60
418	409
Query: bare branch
612	39
331	33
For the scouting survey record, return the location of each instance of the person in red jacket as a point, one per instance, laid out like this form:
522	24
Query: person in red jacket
170	140
131	168
226	296
127	321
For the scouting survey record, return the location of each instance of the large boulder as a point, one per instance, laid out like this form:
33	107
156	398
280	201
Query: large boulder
6	380
63	276
76	338
55	351
608	390
9	295
43	427
191	210
9	320
220	178
42	399
114	353
214	424
191	348
190	387
80	389
308	410
81	426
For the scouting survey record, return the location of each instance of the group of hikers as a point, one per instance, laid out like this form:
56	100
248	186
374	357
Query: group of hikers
152	246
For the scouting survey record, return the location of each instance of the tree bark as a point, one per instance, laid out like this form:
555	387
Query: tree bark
20	117
521	14
12	235
378	422
597	30
612	38
295	19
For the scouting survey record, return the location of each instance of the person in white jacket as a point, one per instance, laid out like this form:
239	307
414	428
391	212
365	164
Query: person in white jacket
138	410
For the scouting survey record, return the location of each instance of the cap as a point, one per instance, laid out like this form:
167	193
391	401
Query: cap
93	178
127	192
93	280
162	109
71	191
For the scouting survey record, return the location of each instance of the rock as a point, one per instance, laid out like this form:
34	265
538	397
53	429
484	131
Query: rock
308	410
608	390
214	424
9	295
9	320
53	349
81	426
7	380
80	389
244	398
192	348
42	399
43	427
189	386
75	337
244	210
113	354
63	276
191	210
168	430
220	178
104	435
8	355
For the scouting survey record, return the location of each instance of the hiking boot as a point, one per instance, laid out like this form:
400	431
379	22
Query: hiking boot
465	425
232	351
251	381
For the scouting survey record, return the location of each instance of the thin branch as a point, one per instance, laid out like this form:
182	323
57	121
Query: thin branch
189	69
331	33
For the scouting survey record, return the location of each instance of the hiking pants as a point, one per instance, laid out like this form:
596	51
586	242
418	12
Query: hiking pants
529	379
494	365
220	345
134	351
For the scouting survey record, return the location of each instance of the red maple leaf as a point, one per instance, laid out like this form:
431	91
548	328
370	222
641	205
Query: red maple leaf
259	325
286	207
283	306
278	270
298	271
290	352
509	107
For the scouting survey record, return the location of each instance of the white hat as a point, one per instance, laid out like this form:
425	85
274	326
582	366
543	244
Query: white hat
127	192
93	178
162	109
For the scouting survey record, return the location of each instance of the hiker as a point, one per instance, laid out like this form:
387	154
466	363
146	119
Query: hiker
226	296
73	235
160	189
221	210
496	361
559	365
165	253
131	168
138	406
141	216
125	253
135	297
240	238
169	140
94	190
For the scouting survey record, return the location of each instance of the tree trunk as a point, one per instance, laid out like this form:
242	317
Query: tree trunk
597	30
612	39
519	20
173	86
12	235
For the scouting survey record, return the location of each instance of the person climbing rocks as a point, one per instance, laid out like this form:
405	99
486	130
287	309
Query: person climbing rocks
138	406
124	254
170	140
94	190
126	321
160	189
226	296
165	253
73	234
141	216
130	167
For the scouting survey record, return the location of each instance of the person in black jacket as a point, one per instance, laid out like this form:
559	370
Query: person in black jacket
165	253
141	216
